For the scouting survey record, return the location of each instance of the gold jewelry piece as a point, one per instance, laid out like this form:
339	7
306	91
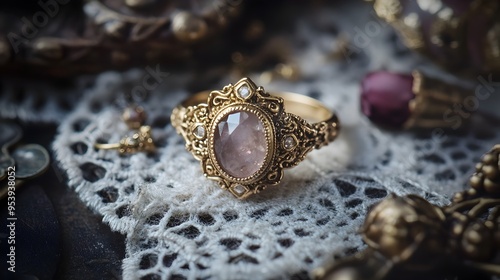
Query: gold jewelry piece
141	141
245	139
410	235
438	104
448	33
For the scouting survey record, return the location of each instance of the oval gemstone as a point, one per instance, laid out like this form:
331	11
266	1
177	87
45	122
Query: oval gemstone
385	98
240	144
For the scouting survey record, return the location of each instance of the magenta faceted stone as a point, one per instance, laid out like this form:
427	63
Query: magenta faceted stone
240	144
385	98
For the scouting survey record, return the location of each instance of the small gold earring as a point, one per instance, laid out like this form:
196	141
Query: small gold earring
140	141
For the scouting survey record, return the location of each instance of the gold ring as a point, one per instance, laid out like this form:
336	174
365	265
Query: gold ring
245	139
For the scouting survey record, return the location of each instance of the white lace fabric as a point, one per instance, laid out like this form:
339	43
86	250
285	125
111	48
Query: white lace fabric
179	225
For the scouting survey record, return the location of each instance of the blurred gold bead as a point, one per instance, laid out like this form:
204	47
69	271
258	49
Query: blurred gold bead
266	77
48	49
479	166
459	196
489	224
114	28
119	57
346	273
477	241
458	229
4	52
138	3
471	192
488	159
188	27
288	71
388	9
475	181
237	57
491	186
490	171
473	236
254	31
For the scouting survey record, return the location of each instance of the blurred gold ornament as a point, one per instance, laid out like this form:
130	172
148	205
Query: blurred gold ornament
135	4
48	49
140	141
462	36
96	35
4	52
405	228
188	27
408	234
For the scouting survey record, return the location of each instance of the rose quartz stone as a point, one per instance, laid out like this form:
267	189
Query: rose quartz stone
240	144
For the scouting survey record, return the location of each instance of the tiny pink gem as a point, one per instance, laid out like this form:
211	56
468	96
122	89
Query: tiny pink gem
134	116
239	189
385	98
240	144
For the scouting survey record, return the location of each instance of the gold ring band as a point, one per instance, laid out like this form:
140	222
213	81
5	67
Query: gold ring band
245	137
300	105
106	146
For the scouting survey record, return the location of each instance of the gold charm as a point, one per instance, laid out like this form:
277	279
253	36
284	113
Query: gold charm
410	234
141	141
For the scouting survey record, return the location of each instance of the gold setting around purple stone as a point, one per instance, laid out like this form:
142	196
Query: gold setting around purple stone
288	137
268	132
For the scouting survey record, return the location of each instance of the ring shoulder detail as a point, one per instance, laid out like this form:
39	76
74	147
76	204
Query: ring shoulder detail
191	123
296	137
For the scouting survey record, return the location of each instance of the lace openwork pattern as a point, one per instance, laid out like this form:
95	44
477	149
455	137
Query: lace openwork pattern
178	224
181	226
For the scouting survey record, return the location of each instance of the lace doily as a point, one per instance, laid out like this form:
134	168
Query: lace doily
178	225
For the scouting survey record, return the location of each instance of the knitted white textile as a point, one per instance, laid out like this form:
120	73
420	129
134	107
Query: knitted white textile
179	225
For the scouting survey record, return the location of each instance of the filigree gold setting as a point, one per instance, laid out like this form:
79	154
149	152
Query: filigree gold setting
288	137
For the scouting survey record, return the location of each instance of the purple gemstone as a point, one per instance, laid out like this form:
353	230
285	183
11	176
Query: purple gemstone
385	98
240	144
